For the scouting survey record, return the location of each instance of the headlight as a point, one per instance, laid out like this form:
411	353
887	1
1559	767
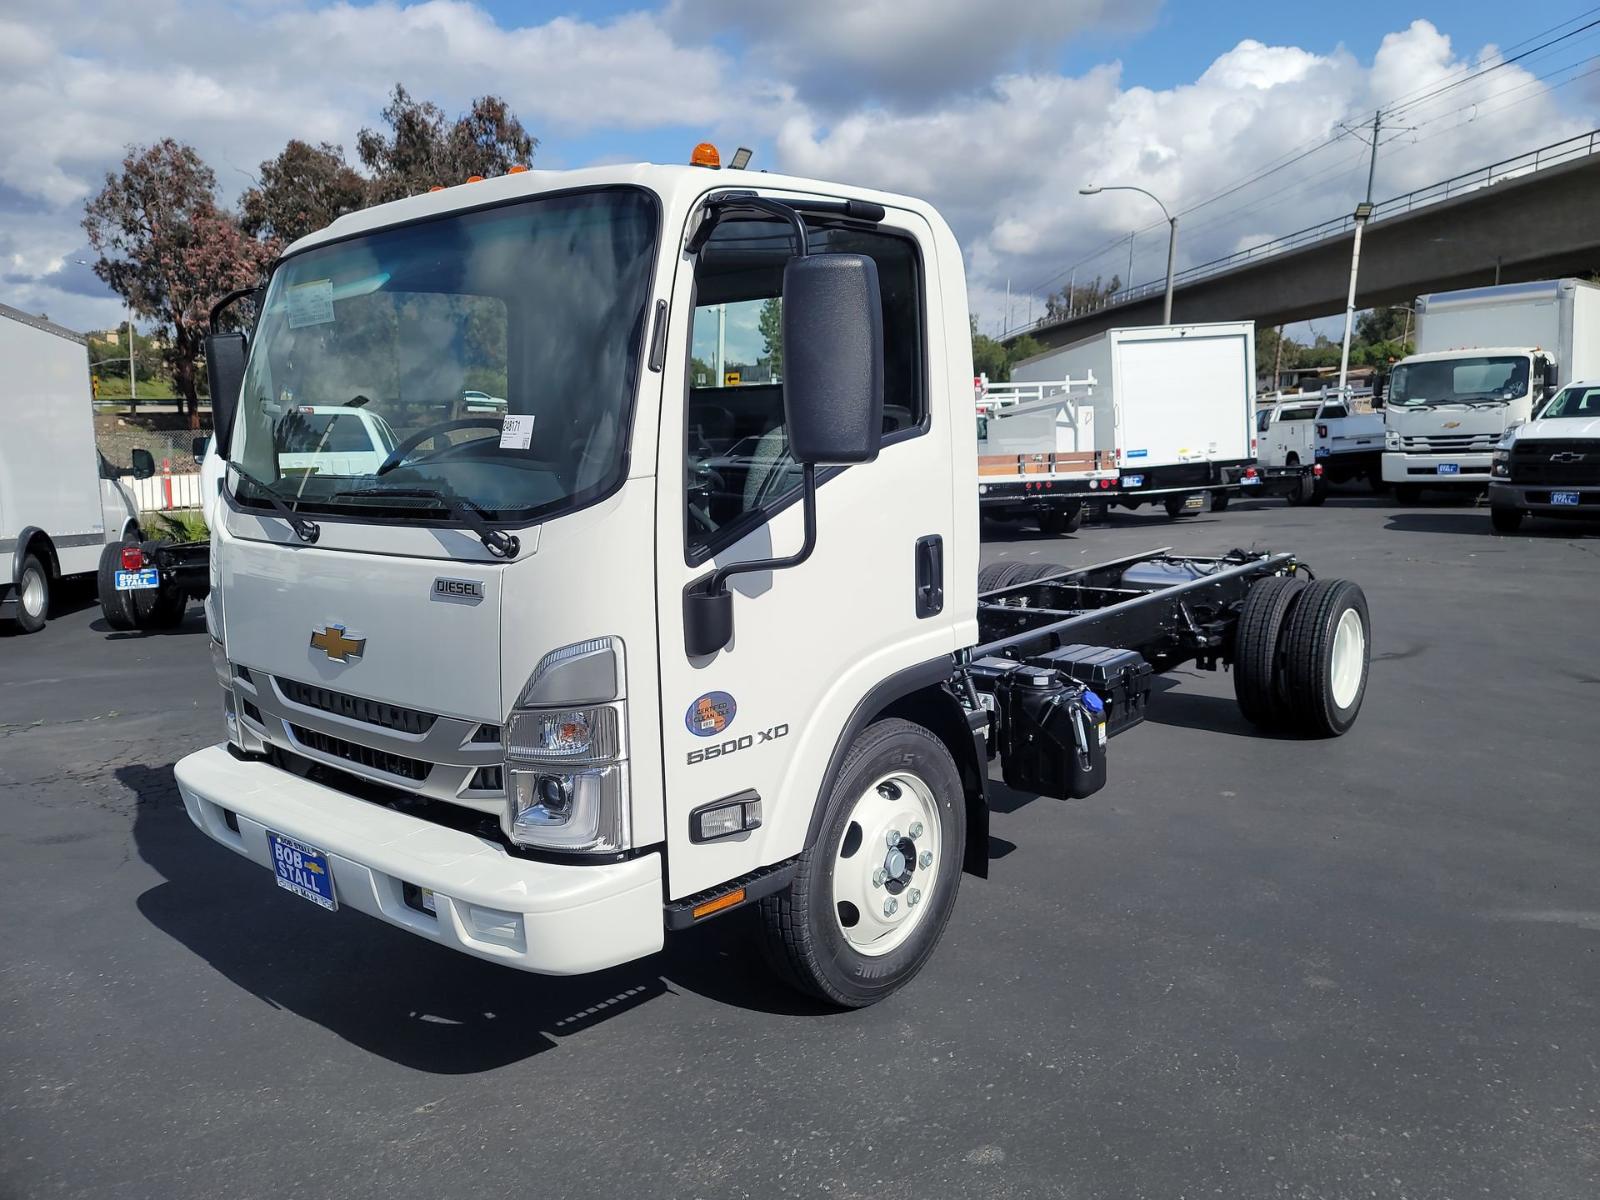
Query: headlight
1391	440
1500	466
566	751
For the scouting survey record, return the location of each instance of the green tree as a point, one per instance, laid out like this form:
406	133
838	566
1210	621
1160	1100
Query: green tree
994	358
300	191
422	147
1390	323
770	323
167	249
1083	297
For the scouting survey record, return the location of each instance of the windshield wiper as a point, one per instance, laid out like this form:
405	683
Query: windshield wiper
496	541
306	530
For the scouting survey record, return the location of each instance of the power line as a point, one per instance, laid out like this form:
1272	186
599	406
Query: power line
1504	62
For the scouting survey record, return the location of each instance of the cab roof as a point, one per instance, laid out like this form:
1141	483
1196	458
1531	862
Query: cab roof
678	186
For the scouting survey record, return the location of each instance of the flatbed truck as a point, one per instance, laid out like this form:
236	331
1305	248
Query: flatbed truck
544	688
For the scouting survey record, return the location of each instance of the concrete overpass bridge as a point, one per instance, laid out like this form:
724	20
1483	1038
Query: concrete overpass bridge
1536	216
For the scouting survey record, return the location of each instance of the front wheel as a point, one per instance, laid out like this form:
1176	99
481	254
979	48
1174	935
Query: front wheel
873	894
1506	520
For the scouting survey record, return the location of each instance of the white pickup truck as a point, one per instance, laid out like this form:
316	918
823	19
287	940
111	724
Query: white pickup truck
1550	466
1349	443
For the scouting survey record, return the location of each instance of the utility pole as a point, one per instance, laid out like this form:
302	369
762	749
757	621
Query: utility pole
1277	363
1072	291
1127	281
1008	304
1363	212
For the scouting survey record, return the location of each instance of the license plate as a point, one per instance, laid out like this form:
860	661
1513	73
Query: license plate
1195	502
1563	497
1250	480
1324	451
1133	481
132	581
1449	468
302	870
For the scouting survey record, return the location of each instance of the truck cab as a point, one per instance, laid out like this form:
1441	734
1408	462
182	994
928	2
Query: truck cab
1446	411
473	675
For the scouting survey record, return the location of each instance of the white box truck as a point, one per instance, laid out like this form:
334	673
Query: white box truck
61	503
1174	405
1486	359
546	685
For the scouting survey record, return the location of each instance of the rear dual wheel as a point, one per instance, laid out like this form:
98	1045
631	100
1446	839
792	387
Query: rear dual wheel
1301	655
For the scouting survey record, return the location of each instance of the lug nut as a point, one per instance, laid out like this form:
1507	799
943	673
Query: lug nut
913	896
879	876
890	906
892	838
925	859
915	831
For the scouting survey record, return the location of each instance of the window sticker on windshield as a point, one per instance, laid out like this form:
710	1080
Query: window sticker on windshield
516	431
311	303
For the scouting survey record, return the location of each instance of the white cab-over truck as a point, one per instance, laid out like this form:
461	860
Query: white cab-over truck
1173	405
61	502
546	685
1550	466
1486	359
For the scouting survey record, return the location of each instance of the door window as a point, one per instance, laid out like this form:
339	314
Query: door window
738	469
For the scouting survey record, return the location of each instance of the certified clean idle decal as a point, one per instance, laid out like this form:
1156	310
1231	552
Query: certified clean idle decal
710	714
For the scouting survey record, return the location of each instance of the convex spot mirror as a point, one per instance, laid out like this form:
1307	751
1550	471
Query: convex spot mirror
832	359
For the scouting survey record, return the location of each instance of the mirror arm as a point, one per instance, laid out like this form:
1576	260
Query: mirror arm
808	506
707	603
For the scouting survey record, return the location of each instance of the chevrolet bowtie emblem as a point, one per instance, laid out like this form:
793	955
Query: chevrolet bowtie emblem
337	644
1567	456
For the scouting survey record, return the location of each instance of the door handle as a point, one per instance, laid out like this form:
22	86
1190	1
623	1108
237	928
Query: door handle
930	576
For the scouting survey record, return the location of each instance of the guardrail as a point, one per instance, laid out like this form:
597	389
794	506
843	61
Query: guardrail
1568	149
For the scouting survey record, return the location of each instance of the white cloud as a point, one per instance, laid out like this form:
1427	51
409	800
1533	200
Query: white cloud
949	100
895	50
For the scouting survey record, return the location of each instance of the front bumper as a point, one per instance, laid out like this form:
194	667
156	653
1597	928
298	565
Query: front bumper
1400	467
543	917
1535	498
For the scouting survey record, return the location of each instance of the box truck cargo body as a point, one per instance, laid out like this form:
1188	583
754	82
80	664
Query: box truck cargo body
1174	404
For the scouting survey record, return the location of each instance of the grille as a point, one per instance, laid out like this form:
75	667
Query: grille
488	779
486	733
364	756
1530	463
369	712
1479	443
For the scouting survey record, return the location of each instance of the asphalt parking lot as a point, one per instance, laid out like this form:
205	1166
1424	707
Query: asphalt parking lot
1249	967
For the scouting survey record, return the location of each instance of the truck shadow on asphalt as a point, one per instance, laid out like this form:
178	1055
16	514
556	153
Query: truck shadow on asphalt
1475	522
194	621
392	994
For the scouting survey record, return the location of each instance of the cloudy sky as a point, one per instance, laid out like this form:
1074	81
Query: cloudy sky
996	111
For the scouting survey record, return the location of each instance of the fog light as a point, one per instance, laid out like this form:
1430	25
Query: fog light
725	817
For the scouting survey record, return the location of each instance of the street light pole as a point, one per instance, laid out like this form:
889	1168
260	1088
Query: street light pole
1172	237
1363	212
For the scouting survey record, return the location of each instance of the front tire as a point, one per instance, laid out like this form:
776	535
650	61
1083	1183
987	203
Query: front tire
874	893
33	595
1506	520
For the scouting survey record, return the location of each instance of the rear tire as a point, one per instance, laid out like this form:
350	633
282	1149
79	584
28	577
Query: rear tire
1033	571
1506	520
1327	652
1319	493
1219	501
830	932
1407	493
998	575
33	595
1174	506
119	608
1257	664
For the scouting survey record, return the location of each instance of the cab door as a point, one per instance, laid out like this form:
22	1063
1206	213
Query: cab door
760	718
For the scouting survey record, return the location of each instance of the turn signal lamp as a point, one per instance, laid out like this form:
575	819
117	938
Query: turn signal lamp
705	155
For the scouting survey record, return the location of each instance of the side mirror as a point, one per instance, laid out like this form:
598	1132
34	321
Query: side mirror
1377	400
199	448
144	463
225	359
832	359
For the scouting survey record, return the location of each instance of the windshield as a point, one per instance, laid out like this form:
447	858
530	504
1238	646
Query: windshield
488	358
1580	400
1489	380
